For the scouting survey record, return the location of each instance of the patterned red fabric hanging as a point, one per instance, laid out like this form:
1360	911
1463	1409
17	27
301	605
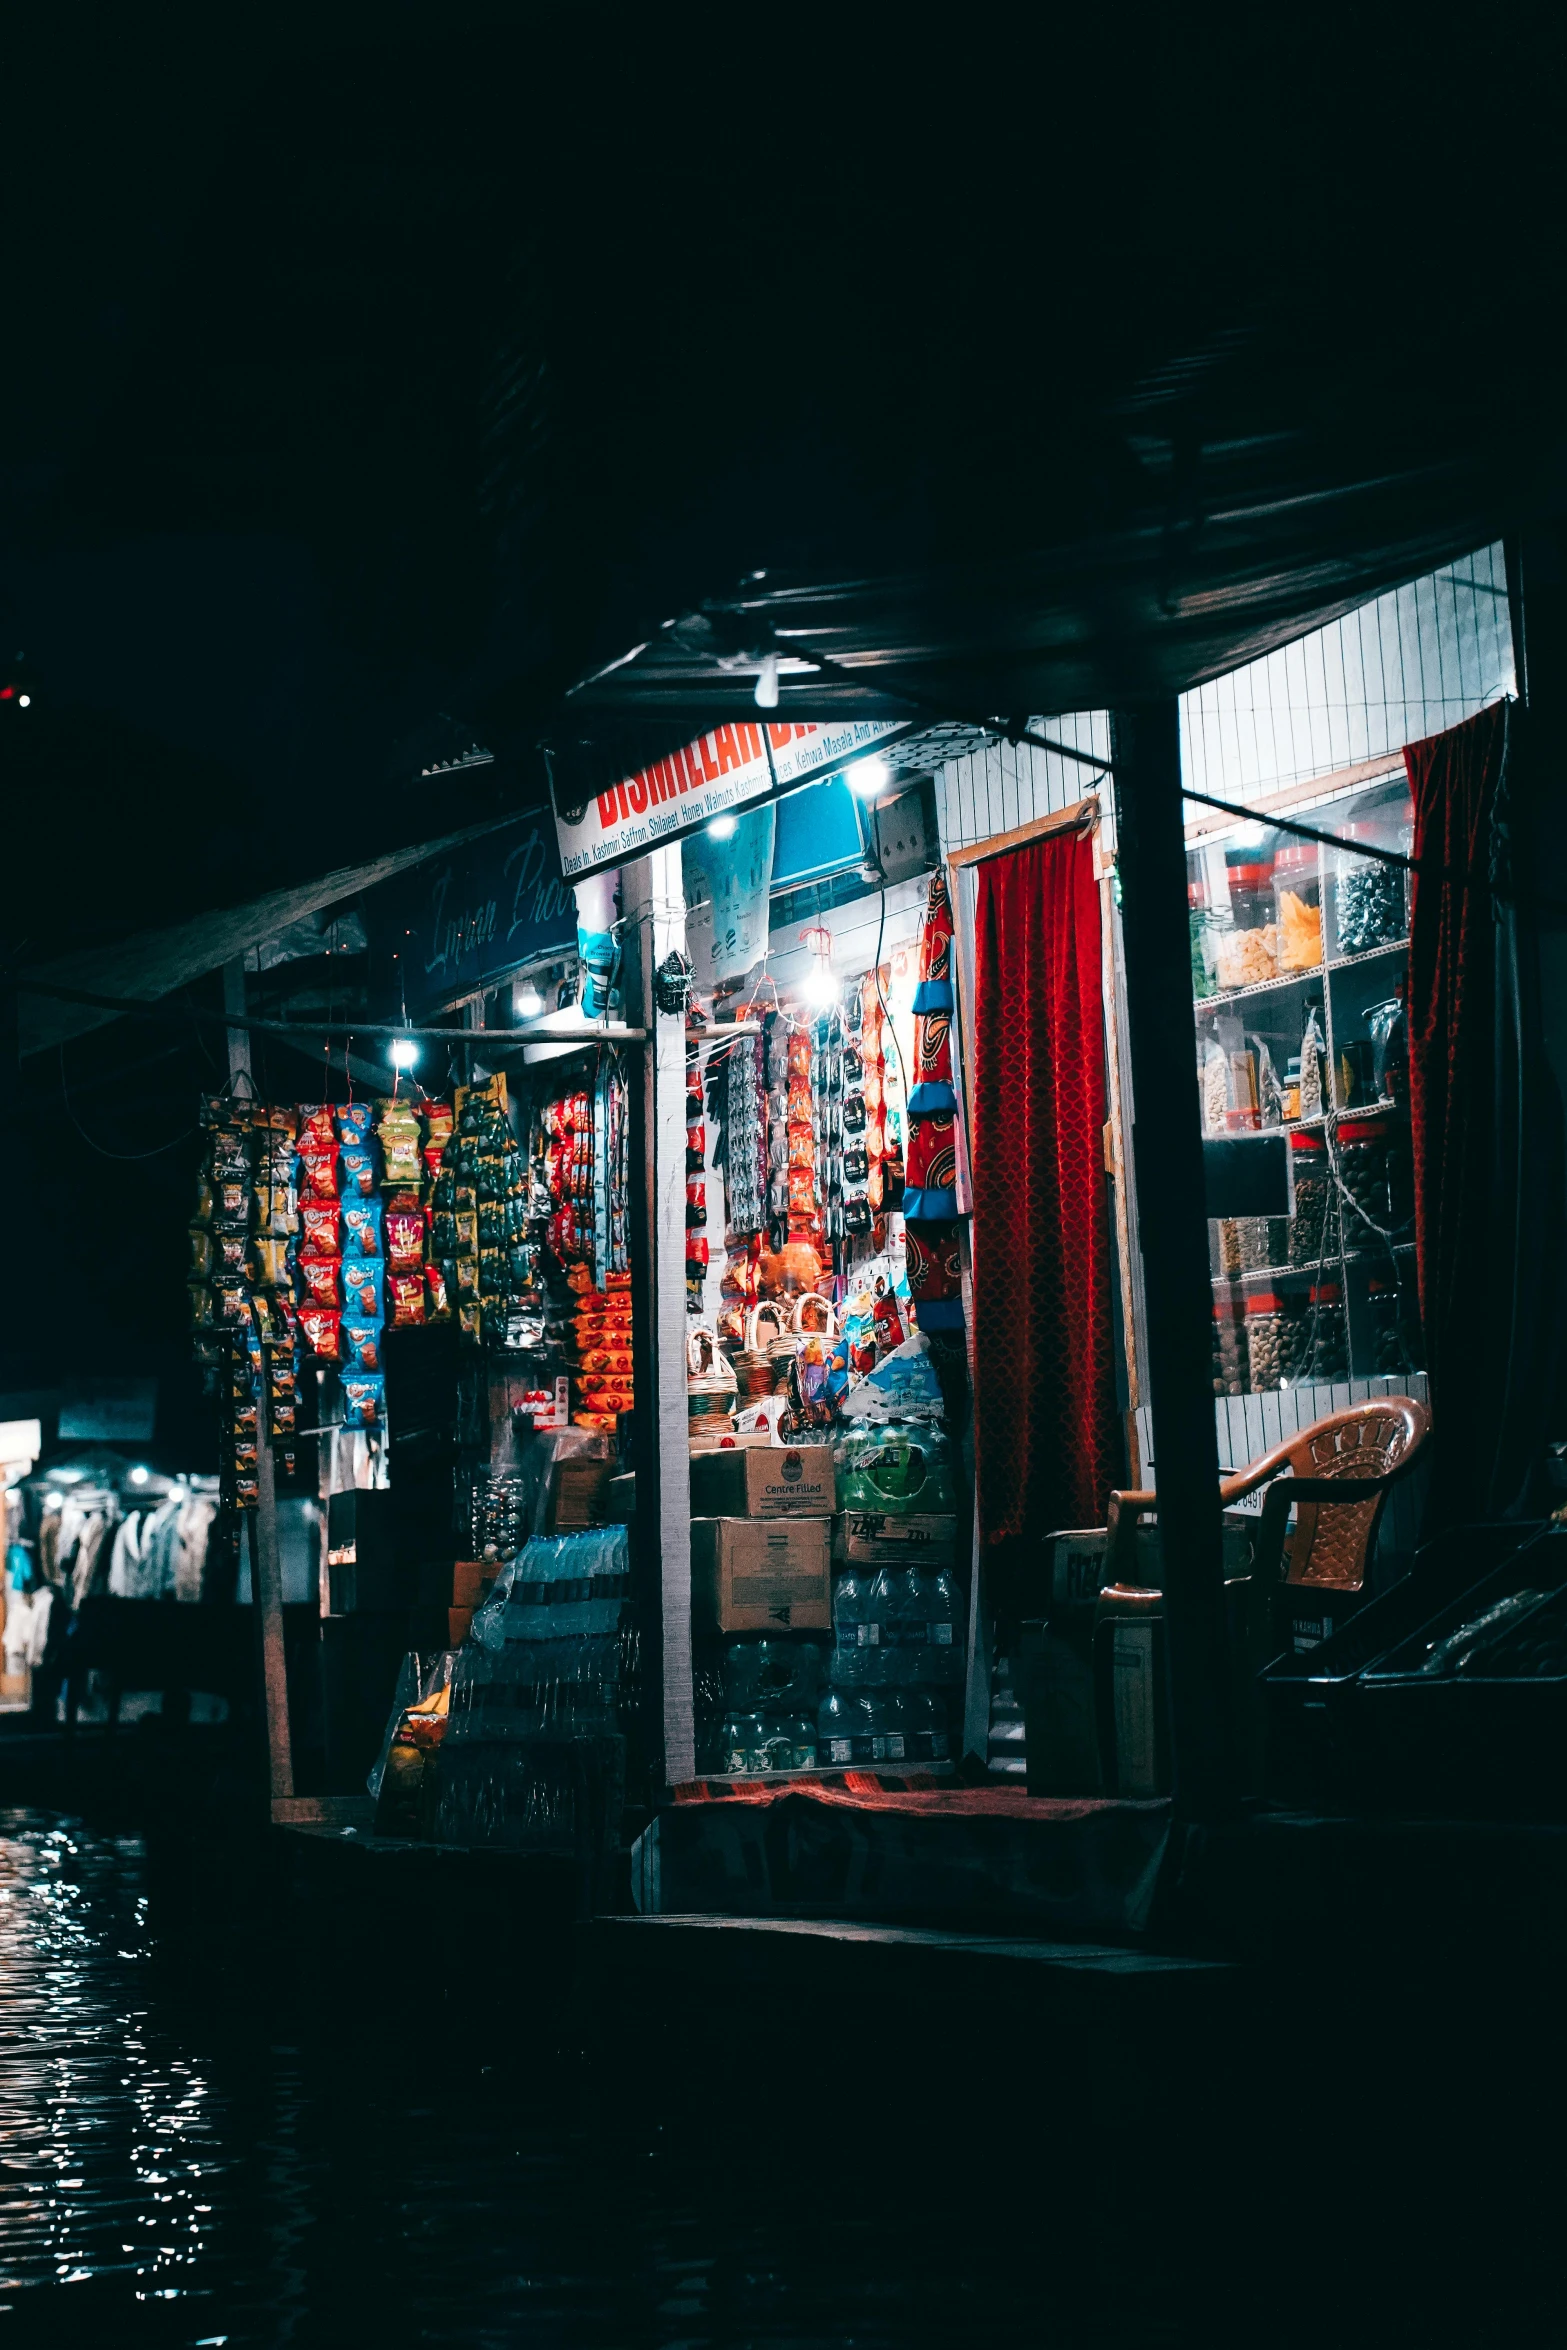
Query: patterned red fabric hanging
1047	1442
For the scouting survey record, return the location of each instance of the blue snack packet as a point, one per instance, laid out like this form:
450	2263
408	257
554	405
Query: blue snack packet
361	1227
362	1288
353	1123
361	1344
364	1399
357	1171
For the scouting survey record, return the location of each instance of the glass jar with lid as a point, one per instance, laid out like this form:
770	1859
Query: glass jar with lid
1265	1313
1297	890
1314	1227
1250	952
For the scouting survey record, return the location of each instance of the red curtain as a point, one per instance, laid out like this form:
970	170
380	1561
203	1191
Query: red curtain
1046	1438
1453	1011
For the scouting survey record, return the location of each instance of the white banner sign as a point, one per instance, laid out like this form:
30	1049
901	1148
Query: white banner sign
725	769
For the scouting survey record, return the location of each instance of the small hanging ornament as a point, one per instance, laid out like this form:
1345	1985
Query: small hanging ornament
672	984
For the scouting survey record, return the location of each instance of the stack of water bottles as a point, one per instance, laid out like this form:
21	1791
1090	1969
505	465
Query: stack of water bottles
897	1652
771	1689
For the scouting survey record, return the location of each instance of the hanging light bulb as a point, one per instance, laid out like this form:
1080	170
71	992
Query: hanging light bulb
526	1002
819	987
405	1052
869	778
767	683
721	828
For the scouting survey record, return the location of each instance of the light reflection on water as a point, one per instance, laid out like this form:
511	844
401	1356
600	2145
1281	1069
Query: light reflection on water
189	2157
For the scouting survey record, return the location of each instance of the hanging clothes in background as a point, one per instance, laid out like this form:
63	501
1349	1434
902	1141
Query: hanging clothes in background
1047	1441
1484	1122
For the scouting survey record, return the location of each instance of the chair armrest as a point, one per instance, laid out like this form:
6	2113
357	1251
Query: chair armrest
1121	1516
1282	1496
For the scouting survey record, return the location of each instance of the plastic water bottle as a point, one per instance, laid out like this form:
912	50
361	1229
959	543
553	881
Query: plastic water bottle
896	1712
802	1736
927	1735
850	1730
851	1647
836	1719
870	1729
886	1620
943	1629
744	1744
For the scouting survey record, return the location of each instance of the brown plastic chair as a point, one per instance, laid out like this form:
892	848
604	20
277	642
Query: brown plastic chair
1341	1470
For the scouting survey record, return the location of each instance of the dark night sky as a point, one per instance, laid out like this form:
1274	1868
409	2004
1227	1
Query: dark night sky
371	363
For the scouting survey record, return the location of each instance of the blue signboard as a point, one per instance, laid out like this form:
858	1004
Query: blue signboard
818	833
465	920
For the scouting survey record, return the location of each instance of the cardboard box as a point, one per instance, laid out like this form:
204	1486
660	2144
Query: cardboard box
761	1575
471	1581
872	1538
763	1481
581	1494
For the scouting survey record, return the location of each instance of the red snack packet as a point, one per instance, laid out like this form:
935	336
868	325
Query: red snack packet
438	1304
322	1221
404	1239
315	1125
406	1296
319	1327
319	1275
318	1172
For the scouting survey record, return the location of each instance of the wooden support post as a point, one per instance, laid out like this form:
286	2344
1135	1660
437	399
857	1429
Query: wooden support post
266	1579
653	905
1172	1210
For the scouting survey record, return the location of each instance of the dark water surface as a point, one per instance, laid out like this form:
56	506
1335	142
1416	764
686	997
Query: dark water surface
206	2151
218	2138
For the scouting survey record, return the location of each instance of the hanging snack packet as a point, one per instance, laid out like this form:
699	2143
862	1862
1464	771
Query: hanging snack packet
362	1287
361	1344
361	1228
231	1295
231	1200
397	1130
405	1296
244	1418
318	1172
364	1399
315	1125
319	1275
282	1418
322	1222
438	1305
269	1260
467	1276
405	1239
200	1250
357	1168
201	1306
247	1493
320	1326
228	1248
468	1322
353	1121
244	1456
276	1209
438	1121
